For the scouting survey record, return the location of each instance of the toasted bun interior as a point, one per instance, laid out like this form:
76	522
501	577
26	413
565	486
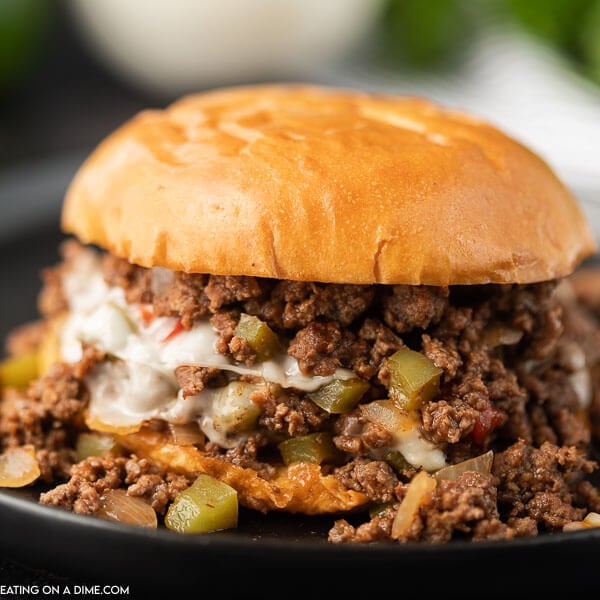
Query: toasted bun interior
306	183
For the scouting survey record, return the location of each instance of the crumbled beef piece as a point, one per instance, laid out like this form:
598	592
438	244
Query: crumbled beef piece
135	280
244	454
494	529
374	478
158	489
25	338
379	528
192	380
296	304
465	506
523	302
322	347
580	323
342	532
55	464
288	413
90	479
241	351
454	413
444	355
458	505
509	396
184	298
93	477
356	435
540	483
553	391
409	307
49	414
587	494
376	436
455	321
224	290
381	343
552	512
448	421
546	333
62	393
51	299
225	322
25	421
59	394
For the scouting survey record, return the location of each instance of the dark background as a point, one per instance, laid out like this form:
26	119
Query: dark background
65	101
62	105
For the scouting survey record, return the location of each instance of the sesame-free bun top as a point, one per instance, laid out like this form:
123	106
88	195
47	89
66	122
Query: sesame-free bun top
316	184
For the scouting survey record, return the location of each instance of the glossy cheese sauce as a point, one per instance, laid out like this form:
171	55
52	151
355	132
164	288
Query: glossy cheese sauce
142	385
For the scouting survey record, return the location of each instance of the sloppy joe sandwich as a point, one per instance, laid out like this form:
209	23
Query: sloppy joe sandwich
316	301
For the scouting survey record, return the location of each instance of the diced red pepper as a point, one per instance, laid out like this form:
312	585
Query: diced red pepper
175	331
488	420
147	314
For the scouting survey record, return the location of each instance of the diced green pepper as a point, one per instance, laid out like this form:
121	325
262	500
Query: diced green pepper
95	444
339	396
397	461
18	371
260	337
414	378
207	505
378	510
312	448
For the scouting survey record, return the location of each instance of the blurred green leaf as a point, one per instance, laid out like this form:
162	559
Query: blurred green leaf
590	42
24	28
427	33
558	22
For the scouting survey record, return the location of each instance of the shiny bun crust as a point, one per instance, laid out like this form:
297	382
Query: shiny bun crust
316	184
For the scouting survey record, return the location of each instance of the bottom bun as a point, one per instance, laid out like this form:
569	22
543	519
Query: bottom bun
296	488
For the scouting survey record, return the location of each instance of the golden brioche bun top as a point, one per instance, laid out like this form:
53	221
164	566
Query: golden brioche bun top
315	184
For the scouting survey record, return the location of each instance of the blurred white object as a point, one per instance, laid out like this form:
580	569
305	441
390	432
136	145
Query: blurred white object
176	46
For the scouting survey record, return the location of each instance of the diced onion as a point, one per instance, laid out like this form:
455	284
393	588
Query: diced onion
97	424
502	335
388	415
117	506
481	464
421	485
18	467
592	519
94	444
581	382
233	410
571	356
187	434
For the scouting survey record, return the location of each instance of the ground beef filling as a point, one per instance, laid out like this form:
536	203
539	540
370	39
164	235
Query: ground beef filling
513	359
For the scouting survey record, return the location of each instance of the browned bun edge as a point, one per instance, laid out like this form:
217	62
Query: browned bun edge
314	184
297	488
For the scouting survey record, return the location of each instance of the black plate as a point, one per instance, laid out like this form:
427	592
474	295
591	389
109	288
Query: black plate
272	555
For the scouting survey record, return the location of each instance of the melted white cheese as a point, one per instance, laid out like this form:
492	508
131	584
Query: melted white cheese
418	451
142	384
